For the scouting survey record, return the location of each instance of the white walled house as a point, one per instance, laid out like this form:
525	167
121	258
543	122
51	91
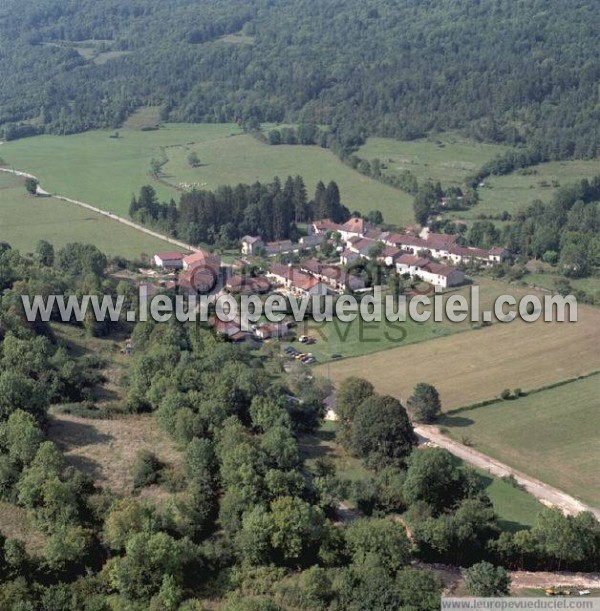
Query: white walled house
168	260
251	244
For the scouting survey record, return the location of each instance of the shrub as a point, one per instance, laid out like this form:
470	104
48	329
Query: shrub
505	394
146	469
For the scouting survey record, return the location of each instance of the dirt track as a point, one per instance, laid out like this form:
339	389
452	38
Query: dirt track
110	215
546	494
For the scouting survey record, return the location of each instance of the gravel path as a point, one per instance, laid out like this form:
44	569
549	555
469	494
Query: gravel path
548	495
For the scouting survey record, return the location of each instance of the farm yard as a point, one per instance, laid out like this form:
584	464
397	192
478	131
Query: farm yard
548	434
470	367
24	220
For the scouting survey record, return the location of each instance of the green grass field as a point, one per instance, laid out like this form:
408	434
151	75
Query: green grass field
449	158
551	435
591	285
106	171
24	220
245	159
101	170
359	338
510	192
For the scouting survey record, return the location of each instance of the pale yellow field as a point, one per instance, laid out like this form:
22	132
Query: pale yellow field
477	365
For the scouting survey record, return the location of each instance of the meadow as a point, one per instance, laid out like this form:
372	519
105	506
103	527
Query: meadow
245	159
510	192
448	158
100	170
470	367
24	220
590	286
105	171
550	434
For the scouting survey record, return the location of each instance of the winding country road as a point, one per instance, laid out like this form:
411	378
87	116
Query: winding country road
119	219
546	494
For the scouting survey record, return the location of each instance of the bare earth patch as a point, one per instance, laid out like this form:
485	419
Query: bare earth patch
106	449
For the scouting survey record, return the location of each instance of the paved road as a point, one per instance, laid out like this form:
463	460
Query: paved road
110	215
543	492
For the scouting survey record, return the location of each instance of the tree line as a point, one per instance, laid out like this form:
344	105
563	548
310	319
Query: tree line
223	216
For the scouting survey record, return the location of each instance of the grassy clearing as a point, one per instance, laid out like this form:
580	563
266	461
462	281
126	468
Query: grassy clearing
17	523
106	449
516	508
24	220
550	435
590	286
245	159
510	192
471	367
106	171
448	158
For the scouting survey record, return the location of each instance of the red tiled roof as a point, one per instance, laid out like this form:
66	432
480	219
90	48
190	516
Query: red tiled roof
327	225
169	256
463	251
413	260
441	240
355	225
304	281
207	259
438	268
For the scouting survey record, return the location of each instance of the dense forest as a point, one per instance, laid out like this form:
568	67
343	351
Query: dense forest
222	217
503	71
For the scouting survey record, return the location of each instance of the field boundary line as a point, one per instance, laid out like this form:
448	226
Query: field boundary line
533	391
106	213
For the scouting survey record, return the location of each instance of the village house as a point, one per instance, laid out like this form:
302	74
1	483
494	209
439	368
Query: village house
295	280
360	246
410	264
332	275
251	245
230	330
271	330
355	227
203	259
429	271
247	285
168	260
323	227
348	257
439	274
280	247
313	240
390	255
